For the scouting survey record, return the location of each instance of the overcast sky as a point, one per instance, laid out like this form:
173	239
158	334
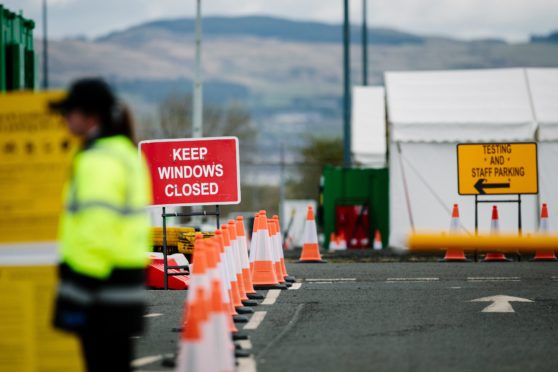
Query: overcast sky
513	20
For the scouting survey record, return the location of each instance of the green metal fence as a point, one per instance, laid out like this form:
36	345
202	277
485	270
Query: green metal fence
18	60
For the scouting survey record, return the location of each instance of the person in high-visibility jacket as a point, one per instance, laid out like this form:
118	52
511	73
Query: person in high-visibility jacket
104	230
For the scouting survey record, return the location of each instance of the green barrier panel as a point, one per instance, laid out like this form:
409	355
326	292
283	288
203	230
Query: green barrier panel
358	186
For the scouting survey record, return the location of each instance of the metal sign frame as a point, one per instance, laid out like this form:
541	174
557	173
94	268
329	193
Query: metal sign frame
164	216
518	200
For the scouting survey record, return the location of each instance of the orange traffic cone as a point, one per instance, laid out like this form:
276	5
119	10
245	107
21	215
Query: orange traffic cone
192	356
231	229
310	249
377	246
214	271
543	229
254	242
455	255
246	273
226	272
236	247
494	229
279	237
263	274
276	261
236	284
223	348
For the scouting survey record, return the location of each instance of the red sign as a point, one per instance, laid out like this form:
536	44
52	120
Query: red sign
193	171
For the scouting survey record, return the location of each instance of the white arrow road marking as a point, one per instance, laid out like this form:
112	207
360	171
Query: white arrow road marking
500	304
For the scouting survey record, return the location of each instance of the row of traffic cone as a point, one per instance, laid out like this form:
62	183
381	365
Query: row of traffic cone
458	255
338	242
224	279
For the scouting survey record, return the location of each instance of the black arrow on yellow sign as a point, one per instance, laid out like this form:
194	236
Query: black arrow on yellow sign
481	184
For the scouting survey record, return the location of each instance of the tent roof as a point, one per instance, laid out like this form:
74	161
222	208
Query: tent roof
543	84
460	105
368	135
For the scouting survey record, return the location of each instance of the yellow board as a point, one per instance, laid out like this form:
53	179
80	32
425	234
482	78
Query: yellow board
35	153
497	168
28	341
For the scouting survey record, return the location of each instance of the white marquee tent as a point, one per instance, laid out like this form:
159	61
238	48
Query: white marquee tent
430	112
368	126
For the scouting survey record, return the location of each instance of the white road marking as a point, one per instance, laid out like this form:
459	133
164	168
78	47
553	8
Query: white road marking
500	304
246	365
255	320
152	315
298	285
494	279
271	297
134	337
332	280
411	280
140	362
455	287
554	278
322	282
245	344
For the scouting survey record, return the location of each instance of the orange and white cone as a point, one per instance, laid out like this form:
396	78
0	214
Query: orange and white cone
543	229
263	274
279	239
245	260
455	255
237	285
238	250
310	249
226	273
214	270
377	245
494	229
194	348
223	348
254	242
274	253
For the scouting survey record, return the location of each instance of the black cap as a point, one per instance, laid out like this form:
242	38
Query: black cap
90	95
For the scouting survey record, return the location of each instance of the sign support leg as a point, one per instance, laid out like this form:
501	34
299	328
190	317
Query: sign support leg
165	263
476	222
218	216
519	224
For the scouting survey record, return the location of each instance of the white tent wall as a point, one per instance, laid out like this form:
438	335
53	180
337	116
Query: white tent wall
548	180
431	177
368	126
430	112
543	84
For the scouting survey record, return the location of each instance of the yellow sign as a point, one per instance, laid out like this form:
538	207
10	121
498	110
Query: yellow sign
29	342
497	168
35	153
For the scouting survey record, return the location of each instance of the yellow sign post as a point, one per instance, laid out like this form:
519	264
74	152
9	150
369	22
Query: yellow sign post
497	168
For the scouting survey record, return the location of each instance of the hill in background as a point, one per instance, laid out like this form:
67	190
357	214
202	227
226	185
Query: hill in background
287	73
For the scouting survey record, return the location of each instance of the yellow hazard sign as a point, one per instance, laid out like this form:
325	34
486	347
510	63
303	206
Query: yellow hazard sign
497	168
35	154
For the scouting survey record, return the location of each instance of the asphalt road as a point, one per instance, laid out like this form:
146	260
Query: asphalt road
391	317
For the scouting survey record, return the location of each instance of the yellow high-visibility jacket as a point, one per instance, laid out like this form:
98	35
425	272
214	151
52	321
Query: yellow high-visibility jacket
104	236
105	225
